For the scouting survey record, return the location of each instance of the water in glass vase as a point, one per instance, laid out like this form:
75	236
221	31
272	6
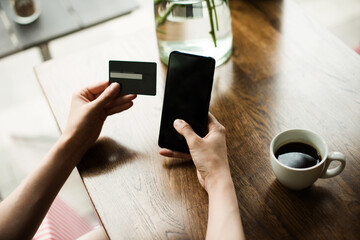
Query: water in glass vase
200	27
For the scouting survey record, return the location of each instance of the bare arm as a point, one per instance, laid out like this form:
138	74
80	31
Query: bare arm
210	158
224	215
23	210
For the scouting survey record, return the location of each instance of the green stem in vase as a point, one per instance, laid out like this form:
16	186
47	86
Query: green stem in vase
210	6
216	18
212	31
161	19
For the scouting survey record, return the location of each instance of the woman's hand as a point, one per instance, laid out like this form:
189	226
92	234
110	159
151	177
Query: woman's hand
90	107
209	153
210	157
26	207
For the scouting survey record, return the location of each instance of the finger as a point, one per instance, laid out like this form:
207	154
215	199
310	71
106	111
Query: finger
169	153
97	88
121	99
119	108
107	95
213	123
185	129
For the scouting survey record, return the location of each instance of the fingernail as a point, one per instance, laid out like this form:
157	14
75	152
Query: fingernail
177	123
113	86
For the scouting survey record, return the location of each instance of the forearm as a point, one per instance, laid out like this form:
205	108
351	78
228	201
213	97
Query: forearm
224	215
23	211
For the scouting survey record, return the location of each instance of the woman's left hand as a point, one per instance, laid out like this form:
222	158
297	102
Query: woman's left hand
90	107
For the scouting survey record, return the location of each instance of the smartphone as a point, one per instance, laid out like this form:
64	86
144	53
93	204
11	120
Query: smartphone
187	96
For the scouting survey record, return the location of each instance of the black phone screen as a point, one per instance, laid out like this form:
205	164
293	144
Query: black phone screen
187	96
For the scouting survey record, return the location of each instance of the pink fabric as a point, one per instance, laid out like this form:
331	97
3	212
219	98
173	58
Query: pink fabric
62	222
357	50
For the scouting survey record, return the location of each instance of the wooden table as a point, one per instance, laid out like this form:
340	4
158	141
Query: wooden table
285	72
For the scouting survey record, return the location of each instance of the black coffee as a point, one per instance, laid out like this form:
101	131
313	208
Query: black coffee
298	155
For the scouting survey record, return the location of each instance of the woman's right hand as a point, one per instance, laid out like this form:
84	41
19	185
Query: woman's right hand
209	153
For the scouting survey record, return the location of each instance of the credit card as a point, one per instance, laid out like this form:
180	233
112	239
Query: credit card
134	77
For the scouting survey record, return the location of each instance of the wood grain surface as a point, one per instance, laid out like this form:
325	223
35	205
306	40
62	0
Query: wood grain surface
285	72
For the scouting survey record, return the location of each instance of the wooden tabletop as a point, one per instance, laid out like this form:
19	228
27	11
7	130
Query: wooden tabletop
285	72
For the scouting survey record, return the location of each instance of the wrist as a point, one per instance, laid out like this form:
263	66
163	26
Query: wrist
71	148
219	181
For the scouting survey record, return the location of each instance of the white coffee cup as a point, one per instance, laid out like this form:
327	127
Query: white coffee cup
300	178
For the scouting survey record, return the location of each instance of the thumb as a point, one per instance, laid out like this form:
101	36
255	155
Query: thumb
107	95
186	130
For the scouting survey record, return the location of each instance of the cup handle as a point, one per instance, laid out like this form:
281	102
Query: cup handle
334	156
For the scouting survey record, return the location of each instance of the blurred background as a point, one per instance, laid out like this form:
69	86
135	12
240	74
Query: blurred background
27	127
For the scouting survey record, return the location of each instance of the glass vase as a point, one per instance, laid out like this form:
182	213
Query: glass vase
201	27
